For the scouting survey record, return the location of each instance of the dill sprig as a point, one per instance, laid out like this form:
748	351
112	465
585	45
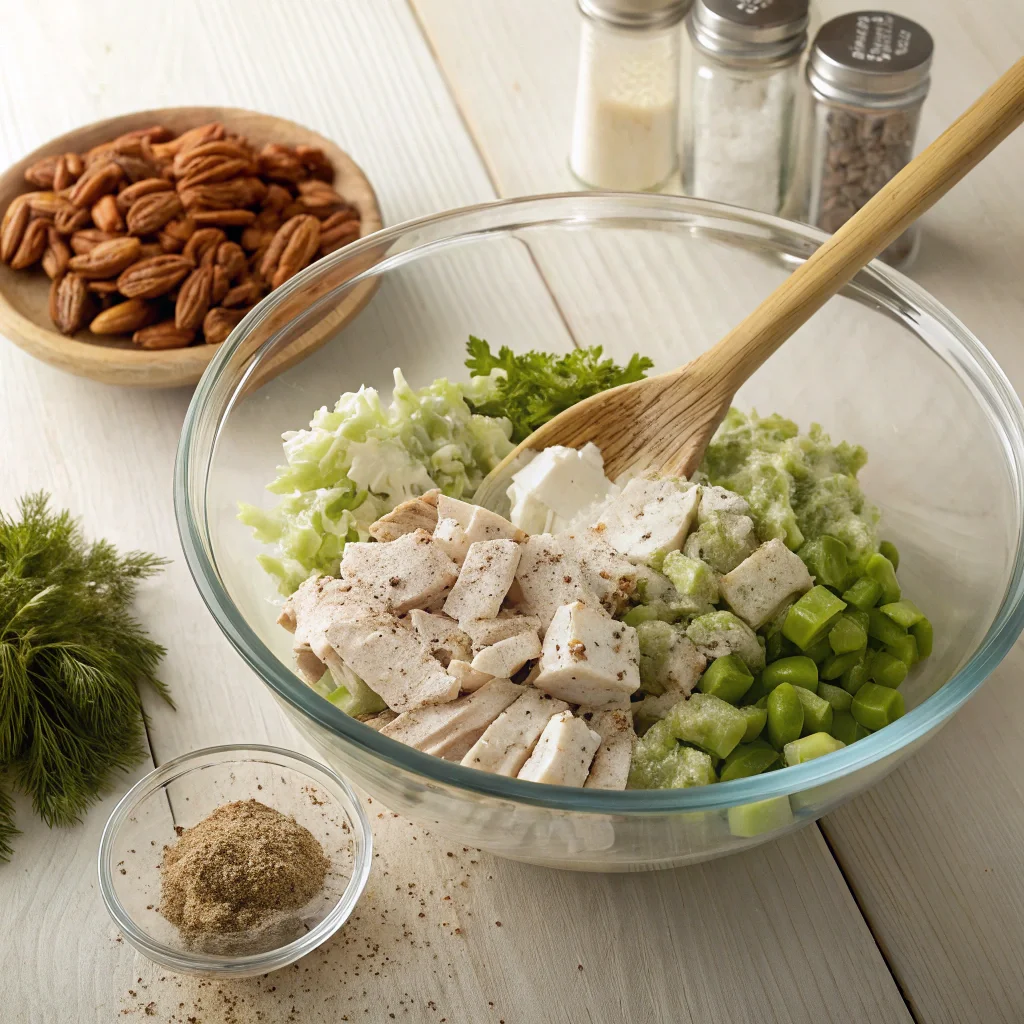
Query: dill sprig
71	657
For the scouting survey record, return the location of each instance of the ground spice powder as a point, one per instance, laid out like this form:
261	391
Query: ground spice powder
237	869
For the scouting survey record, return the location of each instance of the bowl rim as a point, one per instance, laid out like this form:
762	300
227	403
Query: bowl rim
256	963
964	353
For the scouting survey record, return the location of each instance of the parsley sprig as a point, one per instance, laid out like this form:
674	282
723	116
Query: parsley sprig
539	385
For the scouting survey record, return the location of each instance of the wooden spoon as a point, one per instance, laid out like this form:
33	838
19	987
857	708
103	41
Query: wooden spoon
666	422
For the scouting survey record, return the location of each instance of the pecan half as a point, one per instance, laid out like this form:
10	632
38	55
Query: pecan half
219	323
155	276
224	195
339	229
57	254
105	289
231	259
152	212
96	181
248	293
130	193
292	248
221	286
12	228
276	199
315	161
203	244
319	199
107	259
87	239
47	204
163	335
41	173
226	218
193	299
70	304
124	318
32	246
106	216
279	163
71	219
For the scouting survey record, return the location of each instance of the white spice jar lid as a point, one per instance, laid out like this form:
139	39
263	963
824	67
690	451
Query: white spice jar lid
636	13
873	57
749	30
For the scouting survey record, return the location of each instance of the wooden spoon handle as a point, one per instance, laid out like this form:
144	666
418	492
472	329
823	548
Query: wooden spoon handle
868	232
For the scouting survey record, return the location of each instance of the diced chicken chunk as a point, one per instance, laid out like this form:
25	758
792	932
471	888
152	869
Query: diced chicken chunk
442	635
478	523
450	730
483	582
415	514
451	538
509	739
718	499
761	585
653	709
484	632
549	577
508	656
610	767
651	516
411	572
589	658
379	720
393	661
563	753
469	678
611	576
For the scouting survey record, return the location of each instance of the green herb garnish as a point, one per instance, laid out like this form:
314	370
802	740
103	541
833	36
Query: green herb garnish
539	385
71	656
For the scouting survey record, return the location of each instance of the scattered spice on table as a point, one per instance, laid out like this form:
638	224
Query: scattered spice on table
243	869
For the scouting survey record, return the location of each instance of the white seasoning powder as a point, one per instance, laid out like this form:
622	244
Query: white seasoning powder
739	130
624	132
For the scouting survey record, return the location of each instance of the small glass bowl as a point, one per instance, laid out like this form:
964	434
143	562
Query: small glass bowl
183	792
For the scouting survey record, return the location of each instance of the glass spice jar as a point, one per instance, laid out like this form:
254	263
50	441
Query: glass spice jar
625	125
868	76
743	78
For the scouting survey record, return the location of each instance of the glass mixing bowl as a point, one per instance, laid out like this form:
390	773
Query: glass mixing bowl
883	365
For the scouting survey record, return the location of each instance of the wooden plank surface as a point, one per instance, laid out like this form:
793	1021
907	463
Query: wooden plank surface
773	935
933	854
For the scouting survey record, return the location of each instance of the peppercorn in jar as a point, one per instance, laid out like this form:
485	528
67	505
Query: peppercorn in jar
867	77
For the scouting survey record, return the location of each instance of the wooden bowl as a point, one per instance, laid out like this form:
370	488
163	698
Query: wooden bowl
112	359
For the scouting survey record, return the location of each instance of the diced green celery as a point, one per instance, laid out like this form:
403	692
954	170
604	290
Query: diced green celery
836	696
661	762
773	646
888	549
748	759
693	579
799	671
812	616
877	706
903	612
922	633
835	666
856	675
886	670
727	678
883	629
785	715
817	712
847	635
861	617
723	540
826	558
756	718
820	651
760	817
707	722
864	594
846	728
905	650
817	744
880	569
654	610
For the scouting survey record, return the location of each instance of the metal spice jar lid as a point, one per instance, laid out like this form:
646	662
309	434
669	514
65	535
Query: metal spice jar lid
636	13
747	30
871	57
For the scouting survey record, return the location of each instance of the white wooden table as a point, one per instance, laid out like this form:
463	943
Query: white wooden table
905	905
